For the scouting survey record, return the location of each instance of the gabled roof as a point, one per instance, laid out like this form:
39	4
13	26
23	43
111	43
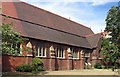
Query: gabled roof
38	32
37	23
37	15
93	39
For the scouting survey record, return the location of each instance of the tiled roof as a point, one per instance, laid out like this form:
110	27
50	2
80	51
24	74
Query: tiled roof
37	23
37	15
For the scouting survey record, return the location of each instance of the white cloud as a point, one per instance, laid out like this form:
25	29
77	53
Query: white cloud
102	2
98	3
96	26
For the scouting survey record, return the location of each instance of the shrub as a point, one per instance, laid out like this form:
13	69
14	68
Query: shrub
24	68
98	66
36	64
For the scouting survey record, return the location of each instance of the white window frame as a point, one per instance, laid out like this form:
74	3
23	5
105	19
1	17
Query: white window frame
42	49
62	51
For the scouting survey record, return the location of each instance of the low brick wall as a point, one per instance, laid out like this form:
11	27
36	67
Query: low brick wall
9	63
62	64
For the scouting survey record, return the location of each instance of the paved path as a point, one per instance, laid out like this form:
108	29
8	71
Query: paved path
67	73
81	72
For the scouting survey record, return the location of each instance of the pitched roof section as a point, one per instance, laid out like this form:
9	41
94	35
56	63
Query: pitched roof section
93	39
38	32
37	23
36	15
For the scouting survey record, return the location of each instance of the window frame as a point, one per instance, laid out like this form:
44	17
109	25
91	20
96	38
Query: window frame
41	49
74	52
60	53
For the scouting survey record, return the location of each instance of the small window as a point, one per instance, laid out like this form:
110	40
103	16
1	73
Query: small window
41	51
75	54
60	53
37	52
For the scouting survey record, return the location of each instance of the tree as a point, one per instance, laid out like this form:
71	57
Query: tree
111	46
10	40
110	52
113	24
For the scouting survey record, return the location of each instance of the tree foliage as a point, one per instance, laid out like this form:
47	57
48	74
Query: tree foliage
113	24
111	46
10	40
110	51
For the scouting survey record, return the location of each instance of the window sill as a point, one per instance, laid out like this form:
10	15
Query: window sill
29	55
75	58
40	56
60	57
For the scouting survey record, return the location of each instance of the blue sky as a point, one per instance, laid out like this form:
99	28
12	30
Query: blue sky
89	13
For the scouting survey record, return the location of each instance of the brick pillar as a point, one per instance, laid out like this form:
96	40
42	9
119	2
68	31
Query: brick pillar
82	58
52	55
69	57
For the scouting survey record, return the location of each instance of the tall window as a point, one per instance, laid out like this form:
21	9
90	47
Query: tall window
75	54
60	53
41	51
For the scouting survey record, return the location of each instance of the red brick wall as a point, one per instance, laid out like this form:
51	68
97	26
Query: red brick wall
58	64
77	64
9	63
96	54
66	64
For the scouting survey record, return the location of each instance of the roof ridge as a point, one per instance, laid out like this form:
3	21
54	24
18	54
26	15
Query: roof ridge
40	25
55	14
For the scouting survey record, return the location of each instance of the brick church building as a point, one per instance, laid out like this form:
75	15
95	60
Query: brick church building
62	44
